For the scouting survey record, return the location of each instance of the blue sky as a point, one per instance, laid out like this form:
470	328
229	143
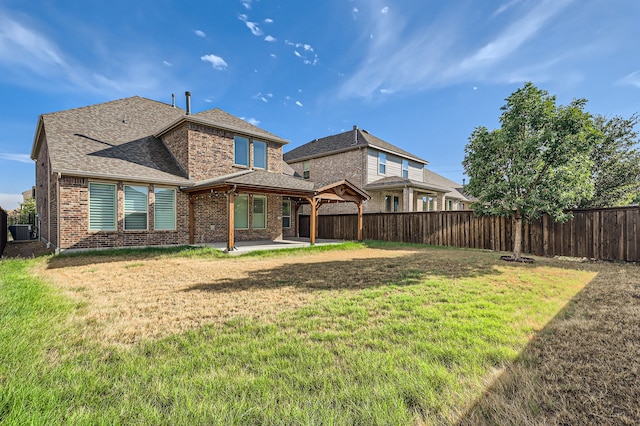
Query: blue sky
419	74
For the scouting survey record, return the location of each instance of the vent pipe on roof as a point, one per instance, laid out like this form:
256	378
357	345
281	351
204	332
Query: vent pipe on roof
355	134
188	95
173	100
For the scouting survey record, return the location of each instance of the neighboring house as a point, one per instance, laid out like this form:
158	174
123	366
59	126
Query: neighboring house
397	180
137	172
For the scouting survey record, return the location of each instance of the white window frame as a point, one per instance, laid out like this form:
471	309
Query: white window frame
305	170
146	204
265	154
115	207
287	202
236	140
235	212
155	209
382	163
253	211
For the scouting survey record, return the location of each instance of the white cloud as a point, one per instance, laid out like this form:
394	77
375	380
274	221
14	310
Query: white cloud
295	52
273	55
10	201
299	103
385	10
401	58
167	63
251	120
21	158
270	38
268	21
632	79
247	5
200	33
253	26
355	10
504	7
216	61
207	100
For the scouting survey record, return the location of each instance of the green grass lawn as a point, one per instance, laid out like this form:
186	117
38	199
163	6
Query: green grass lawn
419	348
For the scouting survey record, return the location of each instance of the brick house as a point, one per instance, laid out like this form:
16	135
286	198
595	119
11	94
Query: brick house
138	172
397	180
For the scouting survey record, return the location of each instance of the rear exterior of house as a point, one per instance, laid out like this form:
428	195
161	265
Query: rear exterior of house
116	175
396	180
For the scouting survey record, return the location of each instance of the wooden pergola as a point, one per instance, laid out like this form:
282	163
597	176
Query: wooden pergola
300	191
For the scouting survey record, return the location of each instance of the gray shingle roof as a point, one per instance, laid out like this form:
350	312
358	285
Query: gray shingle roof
436	179
397	181
258	179
112	139
219	118
346	141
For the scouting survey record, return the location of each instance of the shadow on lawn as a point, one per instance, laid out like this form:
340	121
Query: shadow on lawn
362	273
582	368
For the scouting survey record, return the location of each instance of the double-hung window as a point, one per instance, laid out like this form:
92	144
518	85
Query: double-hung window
241	212
241	151
286	213
102	207
405	169
135	207
259	155
259	212
305	169
382	163
164	212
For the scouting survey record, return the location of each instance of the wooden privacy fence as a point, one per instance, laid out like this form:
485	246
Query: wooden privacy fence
605	234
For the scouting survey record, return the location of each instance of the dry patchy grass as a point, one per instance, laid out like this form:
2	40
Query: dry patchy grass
126	301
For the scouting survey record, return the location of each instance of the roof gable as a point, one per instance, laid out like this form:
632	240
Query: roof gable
346	141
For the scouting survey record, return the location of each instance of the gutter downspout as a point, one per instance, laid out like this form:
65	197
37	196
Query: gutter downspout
57	245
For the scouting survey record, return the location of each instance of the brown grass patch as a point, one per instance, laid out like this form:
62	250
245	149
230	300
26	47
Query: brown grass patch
126	301
583	368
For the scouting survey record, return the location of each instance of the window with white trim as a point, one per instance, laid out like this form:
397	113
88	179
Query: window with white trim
135	208
259	212
382	163
286	213
241	151
405	169
102	206
305	169
259	155
164	211
241	212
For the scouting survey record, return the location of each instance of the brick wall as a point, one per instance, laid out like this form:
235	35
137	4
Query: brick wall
205	152
74	220
210	211
46	196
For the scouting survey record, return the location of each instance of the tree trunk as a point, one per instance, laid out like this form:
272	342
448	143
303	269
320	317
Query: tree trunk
517	242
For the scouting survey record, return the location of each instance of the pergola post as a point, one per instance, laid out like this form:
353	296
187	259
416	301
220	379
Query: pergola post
295	215
360	221
313	226
192	216
231	198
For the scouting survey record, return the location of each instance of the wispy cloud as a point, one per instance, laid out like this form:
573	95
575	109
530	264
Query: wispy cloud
632	79
251	120
506	6
384	10
270	39
299	104
200	33
247	4
253	26
167	63
21	158
216	61
268	21
399	59
304	51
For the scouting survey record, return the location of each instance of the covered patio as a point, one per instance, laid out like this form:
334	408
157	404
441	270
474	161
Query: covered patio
299	191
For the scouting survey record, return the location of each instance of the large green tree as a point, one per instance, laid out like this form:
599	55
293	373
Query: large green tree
615	162
536	162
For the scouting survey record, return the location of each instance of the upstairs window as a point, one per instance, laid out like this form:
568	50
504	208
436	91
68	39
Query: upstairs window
135	208
102	207
405	169
241	151
164	211
382	163
259	155
305	170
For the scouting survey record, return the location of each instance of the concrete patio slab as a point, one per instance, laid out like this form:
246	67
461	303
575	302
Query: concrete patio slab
249	246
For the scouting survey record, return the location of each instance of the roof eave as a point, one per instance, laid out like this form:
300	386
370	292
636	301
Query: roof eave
35	147
195	120
107	176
